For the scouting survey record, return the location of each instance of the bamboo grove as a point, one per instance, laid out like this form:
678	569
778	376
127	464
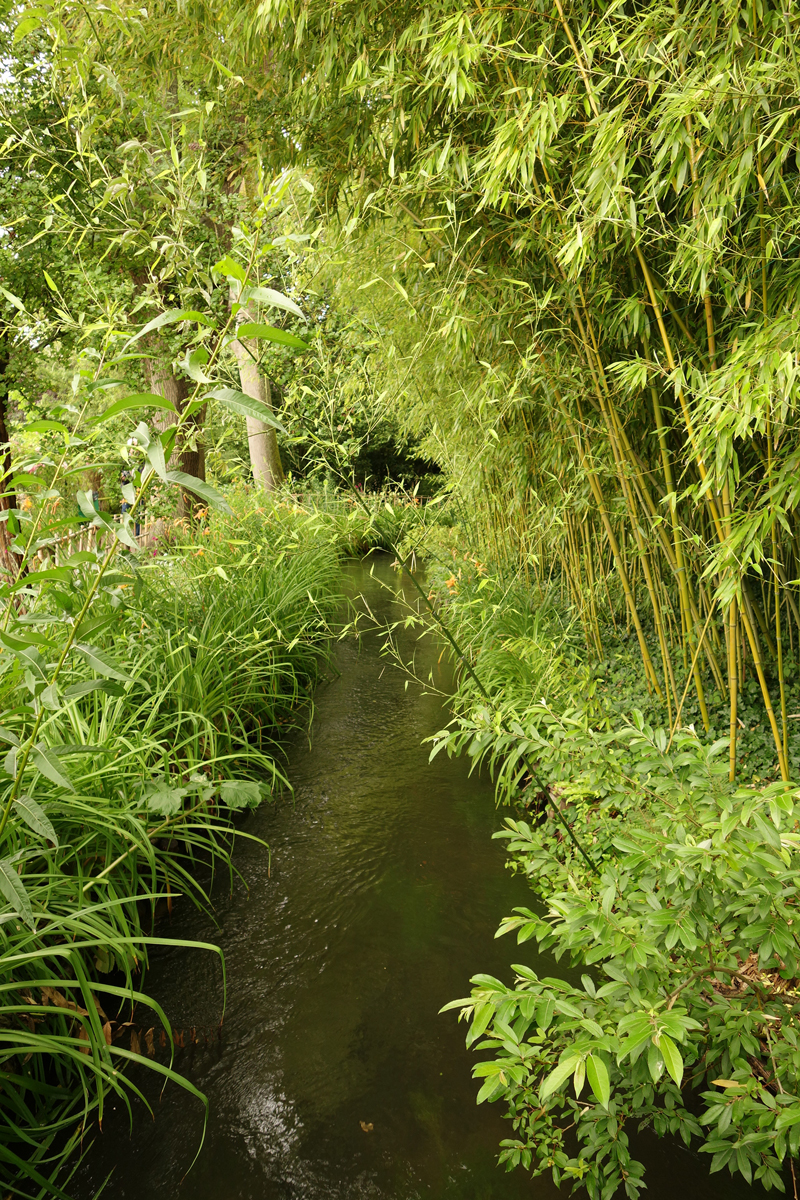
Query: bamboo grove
596	209
635	185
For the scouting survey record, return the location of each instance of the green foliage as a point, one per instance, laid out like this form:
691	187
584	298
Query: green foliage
680	1001
340	415
158	733
583	227
571	238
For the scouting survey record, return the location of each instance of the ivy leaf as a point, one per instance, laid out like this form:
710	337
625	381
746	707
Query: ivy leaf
35	816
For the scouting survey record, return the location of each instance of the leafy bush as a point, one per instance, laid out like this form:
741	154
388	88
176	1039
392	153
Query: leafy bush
676	896
361	521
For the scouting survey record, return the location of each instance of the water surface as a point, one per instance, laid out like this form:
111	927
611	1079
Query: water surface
380	898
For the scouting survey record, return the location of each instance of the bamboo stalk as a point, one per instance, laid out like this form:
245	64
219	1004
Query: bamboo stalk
680	565
612	541
755	650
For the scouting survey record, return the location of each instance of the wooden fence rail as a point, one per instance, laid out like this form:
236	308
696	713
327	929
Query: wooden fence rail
91	537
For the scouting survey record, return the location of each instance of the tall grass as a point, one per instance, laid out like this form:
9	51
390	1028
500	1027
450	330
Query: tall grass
132	800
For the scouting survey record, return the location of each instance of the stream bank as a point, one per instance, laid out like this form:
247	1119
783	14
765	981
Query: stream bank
335	1077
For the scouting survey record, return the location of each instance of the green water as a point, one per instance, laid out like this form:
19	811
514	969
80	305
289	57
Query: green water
381	897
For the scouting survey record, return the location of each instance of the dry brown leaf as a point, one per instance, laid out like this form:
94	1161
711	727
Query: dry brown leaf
52	996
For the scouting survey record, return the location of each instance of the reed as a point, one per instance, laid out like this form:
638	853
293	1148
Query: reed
216	647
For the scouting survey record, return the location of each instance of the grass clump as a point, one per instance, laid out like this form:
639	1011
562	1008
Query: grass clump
162	731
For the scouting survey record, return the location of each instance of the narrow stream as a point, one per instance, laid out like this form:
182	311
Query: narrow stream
381	898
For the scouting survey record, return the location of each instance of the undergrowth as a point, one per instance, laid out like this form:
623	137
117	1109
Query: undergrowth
163	730
675	892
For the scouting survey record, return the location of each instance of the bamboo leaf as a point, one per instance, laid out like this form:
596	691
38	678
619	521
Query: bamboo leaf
35	816
245	406
269	333
12	299
14	891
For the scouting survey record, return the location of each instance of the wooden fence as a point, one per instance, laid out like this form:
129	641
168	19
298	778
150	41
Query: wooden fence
94	538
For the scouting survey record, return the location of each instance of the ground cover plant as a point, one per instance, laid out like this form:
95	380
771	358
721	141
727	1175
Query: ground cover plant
142	690
670	891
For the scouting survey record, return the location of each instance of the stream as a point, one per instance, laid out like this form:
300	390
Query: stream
335	1078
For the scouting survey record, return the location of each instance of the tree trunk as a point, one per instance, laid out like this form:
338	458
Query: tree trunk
11	562
265	458
189	454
